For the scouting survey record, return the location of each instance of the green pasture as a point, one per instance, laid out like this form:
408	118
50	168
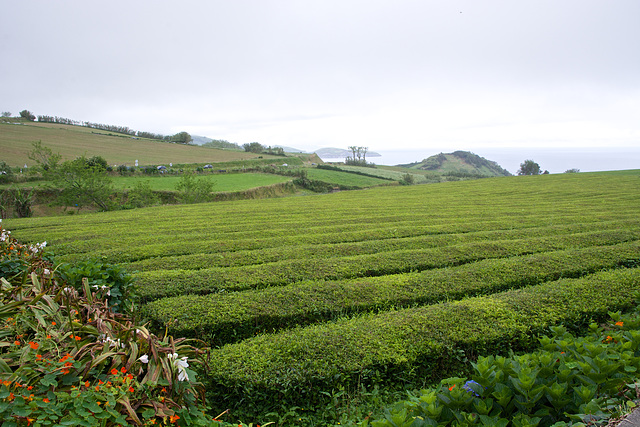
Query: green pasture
344	178
394	173
306	298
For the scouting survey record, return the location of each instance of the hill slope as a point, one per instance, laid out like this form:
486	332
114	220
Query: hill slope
72	141
460	162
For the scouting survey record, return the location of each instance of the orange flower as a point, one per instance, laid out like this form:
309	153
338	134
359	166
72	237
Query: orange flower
452	387
123	370
131	390
45	400
39	357
173	418
33	345
620	323
16	342
97	388
130	376
48	336
11	396
77	338
30	387
86	384
114	371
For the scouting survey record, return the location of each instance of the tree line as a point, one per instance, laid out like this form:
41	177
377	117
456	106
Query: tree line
180	137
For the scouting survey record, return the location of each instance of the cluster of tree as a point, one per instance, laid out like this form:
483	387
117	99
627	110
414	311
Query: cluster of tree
181	137
60	120
359	156
480	162
256	147
221	143
150	135
110	128
433	162
6	114
26	114
529	167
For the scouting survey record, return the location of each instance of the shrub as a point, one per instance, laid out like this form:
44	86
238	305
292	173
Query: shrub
141	195
407	179
194	190
67	358
111	281
569	380
6	174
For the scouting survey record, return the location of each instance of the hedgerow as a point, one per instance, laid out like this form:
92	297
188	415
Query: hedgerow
226	318
161	283
215	256
142	243
405	348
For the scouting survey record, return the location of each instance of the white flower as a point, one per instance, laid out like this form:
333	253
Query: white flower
46	272
144	358
112	343
181	364
102	288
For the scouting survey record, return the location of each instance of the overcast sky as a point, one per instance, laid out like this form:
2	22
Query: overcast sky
422	75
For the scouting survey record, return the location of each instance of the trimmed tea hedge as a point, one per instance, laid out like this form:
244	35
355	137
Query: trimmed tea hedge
226	318
205	259
409	347
158	284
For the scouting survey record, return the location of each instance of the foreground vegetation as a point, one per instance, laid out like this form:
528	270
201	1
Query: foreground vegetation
319	309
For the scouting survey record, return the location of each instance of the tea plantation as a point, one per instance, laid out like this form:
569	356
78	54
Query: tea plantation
312	302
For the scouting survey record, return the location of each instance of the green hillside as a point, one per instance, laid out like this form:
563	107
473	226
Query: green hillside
461	163
16	139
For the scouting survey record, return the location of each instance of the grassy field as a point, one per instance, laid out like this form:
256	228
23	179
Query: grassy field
344	178
310	302
72	141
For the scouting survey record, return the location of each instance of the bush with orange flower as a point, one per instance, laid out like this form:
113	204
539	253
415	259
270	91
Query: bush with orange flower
67	358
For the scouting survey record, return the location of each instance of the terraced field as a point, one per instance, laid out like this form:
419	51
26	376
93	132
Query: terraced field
393	286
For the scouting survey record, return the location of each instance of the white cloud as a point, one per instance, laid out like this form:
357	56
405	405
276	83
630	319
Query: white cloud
406	74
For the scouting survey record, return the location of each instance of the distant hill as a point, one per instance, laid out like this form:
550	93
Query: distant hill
338	153
200	140
459	162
